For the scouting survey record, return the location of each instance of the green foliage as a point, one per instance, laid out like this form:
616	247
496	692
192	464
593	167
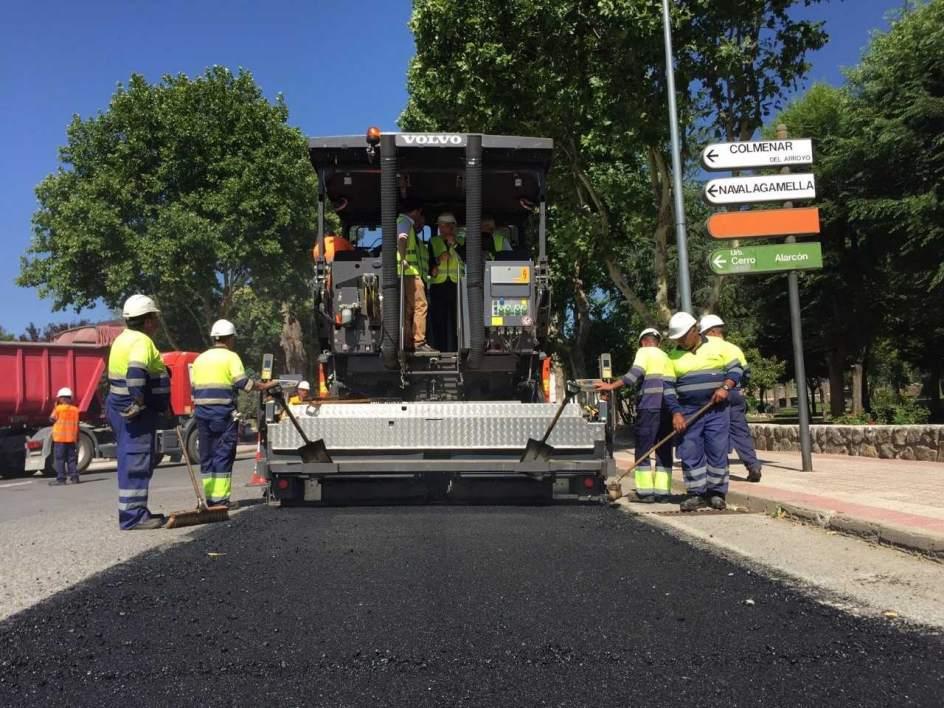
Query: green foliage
6	336
890	408
193	190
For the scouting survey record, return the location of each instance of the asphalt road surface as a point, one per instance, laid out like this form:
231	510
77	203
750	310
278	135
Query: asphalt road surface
560	605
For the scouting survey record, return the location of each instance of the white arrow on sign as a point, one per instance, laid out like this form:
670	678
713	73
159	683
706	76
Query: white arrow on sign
769	188
719	262
758	153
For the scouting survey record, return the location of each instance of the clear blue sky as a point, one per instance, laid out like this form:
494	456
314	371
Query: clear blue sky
341	66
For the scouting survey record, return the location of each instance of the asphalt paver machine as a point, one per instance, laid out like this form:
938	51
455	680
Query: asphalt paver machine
392	424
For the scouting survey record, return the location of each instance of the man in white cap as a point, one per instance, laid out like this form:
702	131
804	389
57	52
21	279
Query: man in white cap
138	393
216	377
445	272
712	326
701	372
652	420
302	394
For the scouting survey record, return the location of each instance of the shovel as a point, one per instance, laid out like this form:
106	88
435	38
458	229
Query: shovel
311	451
539	450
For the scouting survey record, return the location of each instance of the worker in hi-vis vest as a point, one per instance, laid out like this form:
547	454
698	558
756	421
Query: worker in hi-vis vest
138	394
413	267
740	437
216	377
653	422
445	273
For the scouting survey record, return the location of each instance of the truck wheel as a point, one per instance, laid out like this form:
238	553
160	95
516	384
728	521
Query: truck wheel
193	446
86	452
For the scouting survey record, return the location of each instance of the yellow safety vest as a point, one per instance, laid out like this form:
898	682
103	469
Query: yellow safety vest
136	370
417	257
452	269
216	376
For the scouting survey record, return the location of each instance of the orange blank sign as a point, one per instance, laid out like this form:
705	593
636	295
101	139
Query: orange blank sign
767	222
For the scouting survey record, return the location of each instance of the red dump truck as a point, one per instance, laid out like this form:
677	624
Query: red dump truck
32	373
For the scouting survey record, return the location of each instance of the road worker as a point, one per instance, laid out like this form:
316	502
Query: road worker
216	377
494	240
302	394
138	394
413	265
702	371
741	440
65	437
653	421
446	270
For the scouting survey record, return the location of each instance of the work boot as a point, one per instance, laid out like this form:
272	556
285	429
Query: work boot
645	499
424	348
717	502
663	499
693	503
75	480
155	522
754	474
57	483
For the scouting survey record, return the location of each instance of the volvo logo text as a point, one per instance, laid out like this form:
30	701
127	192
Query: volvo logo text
427	139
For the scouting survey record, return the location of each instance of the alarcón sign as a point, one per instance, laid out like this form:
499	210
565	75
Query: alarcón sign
766	259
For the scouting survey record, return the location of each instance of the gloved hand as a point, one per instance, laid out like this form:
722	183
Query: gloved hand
132	411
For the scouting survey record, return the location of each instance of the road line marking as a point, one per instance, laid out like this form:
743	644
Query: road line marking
14	484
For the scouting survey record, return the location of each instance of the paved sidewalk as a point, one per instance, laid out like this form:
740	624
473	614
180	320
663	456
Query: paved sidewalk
897	502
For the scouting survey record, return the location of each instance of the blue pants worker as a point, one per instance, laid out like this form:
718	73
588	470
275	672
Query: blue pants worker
218	435
741	439
651	426
136	439
703	450
65	457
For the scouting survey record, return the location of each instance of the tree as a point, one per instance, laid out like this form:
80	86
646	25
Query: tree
191	190
590	75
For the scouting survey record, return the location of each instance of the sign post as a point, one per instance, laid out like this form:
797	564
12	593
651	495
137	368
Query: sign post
796	326
766	223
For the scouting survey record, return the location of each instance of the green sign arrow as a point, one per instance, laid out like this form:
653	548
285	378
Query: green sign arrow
766	259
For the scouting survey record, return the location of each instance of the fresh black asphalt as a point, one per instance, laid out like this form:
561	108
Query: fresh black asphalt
426	606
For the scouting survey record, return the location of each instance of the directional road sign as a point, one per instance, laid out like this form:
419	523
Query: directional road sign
764	223
766	259
768	188
760	153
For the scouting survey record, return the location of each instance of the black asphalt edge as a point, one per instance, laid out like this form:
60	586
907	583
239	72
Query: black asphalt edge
883	534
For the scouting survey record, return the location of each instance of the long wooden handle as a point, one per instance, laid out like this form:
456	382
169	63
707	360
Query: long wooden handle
663	441
201	502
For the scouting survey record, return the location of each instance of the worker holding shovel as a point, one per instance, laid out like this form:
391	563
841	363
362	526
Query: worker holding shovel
700	375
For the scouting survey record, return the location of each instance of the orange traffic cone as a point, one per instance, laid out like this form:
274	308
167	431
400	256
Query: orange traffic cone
257	480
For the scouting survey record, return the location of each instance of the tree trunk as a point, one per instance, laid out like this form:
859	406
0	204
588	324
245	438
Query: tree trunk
933	388
582	326
837	397
662	191
293	343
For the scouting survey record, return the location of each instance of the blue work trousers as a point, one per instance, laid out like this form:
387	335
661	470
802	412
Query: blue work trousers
741	439
651	426
703	449
65	456
136	440
218	435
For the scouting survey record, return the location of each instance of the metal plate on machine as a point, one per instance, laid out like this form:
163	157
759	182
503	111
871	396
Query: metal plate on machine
510	274
474	426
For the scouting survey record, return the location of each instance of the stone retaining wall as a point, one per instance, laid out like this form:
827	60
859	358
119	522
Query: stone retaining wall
900	442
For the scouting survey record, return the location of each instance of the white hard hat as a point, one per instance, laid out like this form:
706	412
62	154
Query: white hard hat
447	217
63	392
222	328
650	332
680	324
709	321
138	305
304	386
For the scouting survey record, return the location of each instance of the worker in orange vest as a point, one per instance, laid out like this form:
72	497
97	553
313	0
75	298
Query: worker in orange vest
65	436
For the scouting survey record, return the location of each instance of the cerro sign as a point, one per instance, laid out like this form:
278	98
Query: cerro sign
759	153
766	259
430	140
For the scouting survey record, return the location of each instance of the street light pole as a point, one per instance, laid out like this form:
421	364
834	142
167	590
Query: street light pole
681	238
